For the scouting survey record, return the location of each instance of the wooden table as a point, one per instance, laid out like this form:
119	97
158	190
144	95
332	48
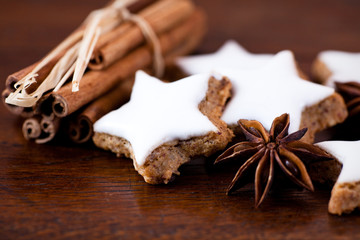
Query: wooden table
60	190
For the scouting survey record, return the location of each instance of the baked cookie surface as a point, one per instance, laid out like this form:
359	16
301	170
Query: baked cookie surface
166	124
345	195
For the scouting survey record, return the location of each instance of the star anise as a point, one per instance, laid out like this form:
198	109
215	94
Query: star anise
350	91
264	150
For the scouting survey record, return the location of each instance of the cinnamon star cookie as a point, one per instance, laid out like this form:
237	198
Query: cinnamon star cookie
264	93
166	124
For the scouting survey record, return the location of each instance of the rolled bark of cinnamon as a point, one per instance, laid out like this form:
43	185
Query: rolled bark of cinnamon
96	83
42	129
49	129
81	129
137	6
31	128
161	17
15	77
21	111
10	87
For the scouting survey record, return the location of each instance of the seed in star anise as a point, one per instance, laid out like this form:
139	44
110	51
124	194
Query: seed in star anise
268	149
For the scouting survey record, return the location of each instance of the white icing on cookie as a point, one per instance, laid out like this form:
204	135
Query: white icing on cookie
265	93
348	153
344	66
230	55
159	112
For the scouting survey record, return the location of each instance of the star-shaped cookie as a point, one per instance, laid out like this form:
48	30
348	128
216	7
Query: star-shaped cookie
159	112
230	55
345	195
264	93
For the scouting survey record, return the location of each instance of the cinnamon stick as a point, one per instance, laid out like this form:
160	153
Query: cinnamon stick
20	111
49	129
12	79
139	5
161	16
31	128
15	77
96	83
81	129
42	129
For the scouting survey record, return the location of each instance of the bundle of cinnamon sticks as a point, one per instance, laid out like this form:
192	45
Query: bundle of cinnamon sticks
101	57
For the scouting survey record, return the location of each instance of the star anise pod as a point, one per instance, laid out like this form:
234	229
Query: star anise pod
350	91
264	150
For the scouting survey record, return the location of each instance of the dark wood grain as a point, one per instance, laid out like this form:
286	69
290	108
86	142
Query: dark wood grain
63	191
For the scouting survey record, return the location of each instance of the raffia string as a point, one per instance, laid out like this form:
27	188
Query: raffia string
80	49
151	37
